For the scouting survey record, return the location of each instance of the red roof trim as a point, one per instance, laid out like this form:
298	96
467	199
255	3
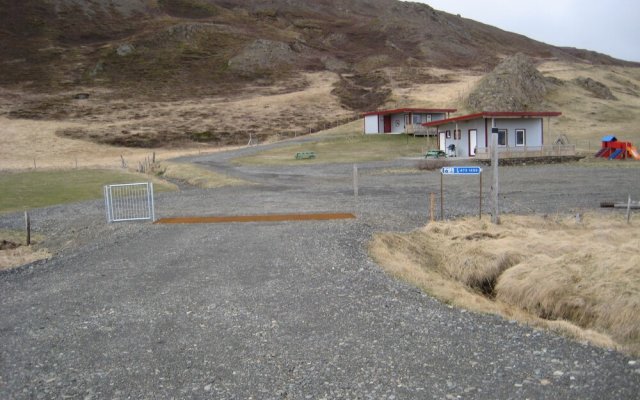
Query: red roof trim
414	110
491	114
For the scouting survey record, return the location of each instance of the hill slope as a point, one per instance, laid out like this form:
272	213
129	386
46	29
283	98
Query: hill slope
174	72
220	44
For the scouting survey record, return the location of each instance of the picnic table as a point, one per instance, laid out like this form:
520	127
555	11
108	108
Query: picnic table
305	155
435	154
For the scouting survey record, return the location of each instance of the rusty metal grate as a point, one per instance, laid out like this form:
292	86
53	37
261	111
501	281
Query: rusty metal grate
255	218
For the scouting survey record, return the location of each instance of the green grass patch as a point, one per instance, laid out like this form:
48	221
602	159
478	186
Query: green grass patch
33	189
350	149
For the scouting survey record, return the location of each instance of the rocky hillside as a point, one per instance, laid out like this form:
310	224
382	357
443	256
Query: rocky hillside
166	73
186	48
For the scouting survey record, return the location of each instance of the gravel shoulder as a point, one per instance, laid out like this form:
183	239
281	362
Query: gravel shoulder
285	310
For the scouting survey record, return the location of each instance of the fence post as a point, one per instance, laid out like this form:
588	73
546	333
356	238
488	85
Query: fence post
355	180
432	206
27	226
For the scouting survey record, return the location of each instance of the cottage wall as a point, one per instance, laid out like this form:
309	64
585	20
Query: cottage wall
371	124
462	144
375	123
532	127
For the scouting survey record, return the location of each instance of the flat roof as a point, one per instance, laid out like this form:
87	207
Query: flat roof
411	110
493	114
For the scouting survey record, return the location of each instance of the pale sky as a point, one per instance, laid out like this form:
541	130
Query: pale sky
611	27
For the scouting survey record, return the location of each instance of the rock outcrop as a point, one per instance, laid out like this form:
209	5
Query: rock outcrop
263	55
514	85
597	89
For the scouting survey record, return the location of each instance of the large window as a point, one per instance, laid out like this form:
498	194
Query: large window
502	137
521	137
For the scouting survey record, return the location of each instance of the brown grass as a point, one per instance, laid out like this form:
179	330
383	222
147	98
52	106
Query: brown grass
196	176
278	111
586	119
580	279
14	257
20	256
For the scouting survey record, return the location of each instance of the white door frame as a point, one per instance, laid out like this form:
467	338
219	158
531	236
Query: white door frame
442	140
473	142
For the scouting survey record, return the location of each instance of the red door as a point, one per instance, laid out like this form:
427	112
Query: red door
387	124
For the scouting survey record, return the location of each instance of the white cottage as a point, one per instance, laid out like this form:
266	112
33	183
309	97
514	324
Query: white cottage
469	135
401	120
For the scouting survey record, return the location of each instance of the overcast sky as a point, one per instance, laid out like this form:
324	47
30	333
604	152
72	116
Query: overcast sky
611	27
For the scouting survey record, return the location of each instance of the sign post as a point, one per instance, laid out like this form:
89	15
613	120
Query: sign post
459	171
495	185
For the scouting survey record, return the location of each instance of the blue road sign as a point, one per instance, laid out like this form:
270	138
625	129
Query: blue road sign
461	170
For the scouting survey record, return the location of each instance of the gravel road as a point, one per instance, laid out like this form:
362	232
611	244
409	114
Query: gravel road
292	310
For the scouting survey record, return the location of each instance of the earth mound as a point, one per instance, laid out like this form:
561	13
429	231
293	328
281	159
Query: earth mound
597	89
514	85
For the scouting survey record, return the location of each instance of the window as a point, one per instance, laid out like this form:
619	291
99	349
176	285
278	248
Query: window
428	117
521	137
502	137
417	119
457	134
448	134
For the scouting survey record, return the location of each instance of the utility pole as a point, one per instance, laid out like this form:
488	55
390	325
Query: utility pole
495	185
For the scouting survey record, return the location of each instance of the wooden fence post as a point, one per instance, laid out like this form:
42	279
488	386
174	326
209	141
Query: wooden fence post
355	181
27	227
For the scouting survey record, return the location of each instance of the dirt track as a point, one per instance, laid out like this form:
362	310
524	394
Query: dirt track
285	309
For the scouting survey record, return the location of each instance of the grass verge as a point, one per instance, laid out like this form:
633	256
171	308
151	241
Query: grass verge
579	279
197	176
33	189
355	148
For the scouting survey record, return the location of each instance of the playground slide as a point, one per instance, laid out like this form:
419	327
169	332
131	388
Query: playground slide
633	152
616	154
601	152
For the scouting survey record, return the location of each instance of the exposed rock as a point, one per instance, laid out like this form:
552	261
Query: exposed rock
514	85
362	92
334	64
555	81
125	49
262	55
597	89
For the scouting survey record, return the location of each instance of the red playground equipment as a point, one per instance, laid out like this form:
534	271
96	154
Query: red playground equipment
614	150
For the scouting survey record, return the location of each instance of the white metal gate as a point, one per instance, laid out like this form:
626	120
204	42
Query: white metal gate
129	202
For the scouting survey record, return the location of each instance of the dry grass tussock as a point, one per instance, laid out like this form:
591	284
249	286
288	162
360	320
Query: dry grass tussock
21	256
14	252
580	279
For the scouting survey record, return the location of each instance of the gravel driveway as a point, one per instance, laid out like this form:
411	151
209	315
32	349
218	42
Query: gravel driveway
285	310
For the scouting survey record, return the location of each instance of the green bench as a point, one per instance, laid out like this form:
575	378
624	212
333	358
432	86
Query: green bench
305	155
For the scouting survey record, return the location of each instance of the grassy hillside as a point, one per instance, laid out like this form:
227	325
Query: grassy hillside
587	118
